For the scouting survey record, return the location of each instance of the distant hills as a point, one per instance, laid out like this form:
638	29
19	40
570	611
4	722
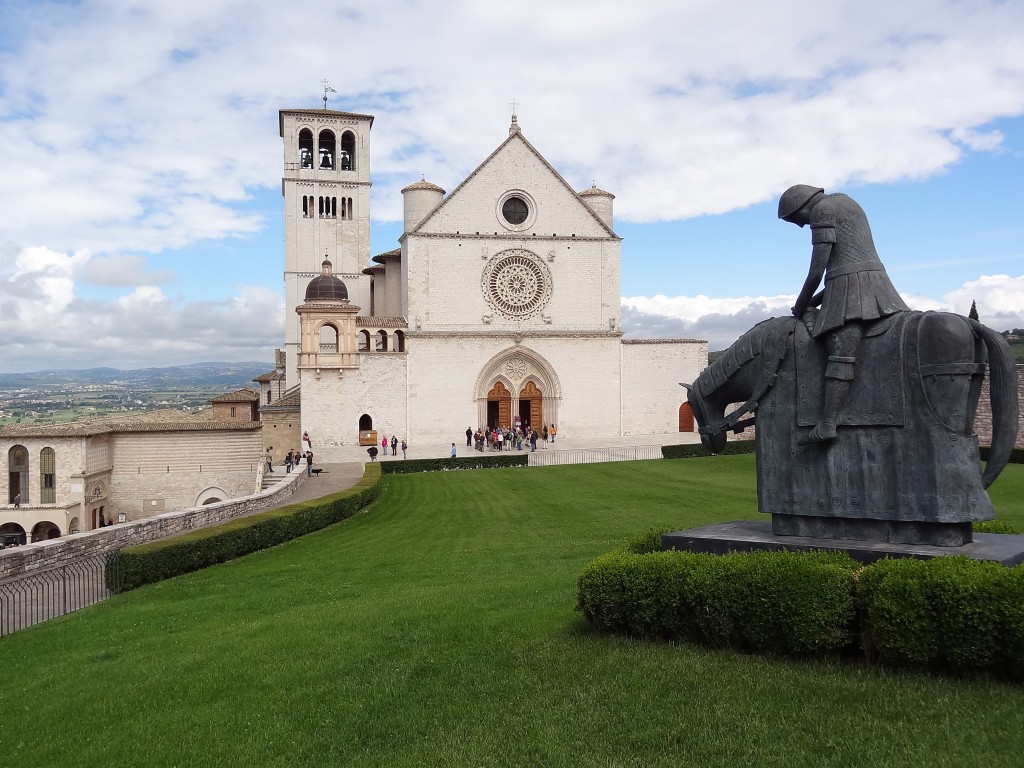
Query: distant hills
206	376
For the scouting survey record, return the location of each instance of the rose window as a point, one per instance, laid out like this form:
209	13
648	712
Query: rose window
516	284
515	368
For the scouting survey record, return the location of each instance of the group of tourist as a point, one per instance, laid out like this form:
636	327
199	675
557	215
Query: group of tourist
509	438
384	443
294	459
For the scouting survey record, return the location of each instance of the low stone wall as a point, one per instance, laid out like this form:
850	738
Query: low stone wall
983	418
42	555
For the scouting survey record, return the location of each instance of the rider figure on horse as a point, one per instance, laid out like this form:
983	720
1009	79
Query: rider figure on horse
857	289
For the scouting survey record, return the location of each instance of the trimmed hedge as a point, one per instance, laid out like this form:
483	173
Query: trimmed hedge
993	526
483	461
796	604
158	560
945	614
696	450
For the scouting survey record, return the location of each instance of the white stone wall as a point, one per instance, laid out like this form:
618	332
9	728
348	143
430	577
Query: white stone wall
651	373
333	403
444	260
174	468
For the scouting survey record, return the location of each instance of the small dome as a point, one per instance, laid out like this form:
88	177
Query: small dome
326	287
595	192
422	184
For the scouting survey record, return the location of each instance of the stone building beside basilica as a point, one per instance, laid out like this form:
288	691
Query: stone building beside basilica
501	305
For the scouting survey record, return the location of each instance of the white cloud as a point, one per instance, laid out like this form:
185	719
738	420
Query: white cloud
44	323
128	127
720	321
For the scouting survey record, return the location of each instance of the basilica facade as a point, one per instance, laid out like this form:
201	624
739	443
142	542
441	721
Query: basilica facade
501	305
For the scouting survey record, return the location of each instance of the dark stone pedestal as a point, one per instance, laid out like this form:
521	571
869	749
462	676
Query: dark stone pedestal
863	529
752	535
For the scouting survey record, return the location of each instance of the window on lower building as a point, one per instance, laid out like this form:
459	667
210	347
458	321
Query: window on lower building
47	476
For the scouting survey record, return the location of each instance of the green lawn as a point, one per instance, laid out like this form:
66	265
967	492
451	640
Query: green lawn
437	628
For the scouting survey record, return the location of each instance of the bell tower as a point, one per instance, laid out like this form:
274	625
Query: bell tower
326	188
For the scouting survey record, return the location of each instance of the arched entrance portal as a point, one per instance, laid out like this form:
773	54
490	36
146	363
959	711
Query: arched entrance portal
499	406
531	406
517	387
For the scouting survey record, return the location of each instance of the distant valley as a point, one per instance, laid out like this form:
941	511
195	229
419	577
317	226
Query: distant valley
66	395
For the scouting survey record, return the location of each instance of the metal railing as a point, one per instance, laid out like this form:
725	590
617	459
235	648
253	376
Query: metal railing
42	595
550	458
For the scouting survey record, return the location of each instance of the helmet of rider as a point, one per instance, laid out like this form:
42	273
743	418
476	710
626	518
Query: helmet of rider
794	198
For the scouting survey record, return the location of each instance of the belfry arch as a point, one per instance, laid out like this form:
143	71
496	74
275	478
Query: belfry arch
517	384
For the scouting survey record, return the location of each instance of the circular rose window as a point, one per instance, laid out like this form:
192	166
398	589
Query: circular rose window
516	284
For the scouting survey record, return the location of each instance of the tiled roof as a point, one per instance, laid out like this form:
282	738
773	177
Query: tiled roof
152	421
664	341
423	184
289	401
269	376
244	395
595	191
369	321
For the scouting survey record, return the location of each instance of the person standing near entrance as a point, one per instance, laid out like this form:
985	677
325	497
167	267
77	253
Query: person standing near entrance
405	445
469	437
17	501
394	445
288	461
309	463
453	450
553	432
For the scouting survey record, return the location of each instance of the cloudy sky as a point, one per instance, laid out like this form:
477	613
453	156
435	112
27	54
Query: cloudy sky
140	162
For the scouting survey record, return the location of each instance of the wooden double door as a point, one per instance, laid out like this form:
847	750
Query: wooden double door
529	406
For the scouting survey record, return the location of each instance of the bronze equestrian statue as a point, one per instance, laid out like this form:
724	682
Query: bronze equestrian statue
864	409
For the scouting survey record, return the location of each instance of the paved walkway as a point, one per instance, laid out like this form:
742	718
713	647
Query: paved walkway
441	449
339	475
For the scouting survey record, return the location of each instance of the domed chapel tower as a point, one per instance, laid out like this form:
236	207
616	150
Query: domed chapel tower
326	189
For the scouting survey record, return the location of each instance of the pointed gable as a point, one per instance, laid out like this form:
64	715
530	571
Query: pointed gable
474	206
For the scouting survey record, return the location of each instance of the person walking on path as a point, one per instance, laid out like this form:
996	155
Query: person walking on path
372	450
553	433
404	446
288	462
384	445
394	445
453	450
309	463
270	460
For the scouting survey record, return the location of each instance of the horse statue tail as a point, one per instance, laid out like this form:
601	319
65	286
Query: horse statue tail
1002	372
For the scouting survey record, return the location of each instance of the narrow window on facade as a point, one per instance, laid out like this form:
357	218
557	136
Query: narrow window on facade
328	150
232	411
305	206
17	475
364	341
320	206
334	207
399	341
305	148
47	477
347	157
382	341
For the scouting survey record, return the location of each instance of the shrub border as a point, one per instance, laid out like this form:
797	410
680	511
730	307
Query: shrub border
947	614
163	559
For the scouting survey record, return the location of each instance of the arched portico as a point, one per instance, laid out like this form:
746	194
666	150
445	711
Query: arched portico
517	385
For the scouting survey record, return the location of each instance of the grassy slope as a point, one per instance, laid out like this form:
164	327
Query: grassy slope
437	629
